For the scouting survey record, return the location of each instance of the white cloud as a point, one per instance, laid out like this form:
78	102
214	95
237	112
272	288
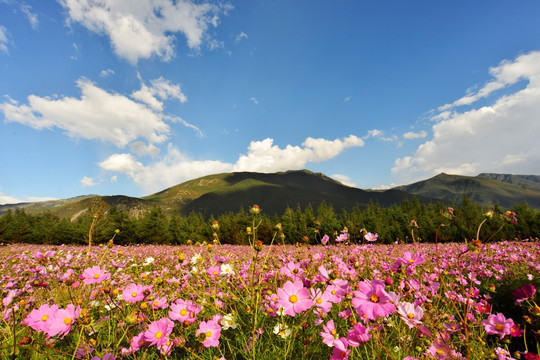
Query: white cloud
88	181
141	149
344	179
412	135
376	133
106	73
103	115
254	100
5	199
262	156
500	137
160	88
114	179
122	163
347	99
146	28
3	39
241	36
32	18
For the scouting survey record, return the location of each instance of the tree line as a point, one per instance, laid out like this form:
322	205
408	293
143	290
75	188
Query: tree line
300	225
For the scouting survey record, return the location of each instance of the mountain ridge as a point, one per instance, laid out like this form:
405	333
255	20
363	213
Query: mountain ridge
229	192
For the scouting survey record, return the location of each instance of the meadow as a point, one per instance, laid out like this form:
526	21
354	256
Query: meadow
341	299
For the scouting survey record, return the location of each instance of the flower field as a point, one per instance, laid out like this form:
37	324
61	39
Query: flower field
407	301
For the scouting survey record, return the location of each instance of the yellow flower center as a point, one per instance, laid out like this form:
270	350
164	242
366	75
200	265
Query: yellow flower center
159	334
333	292
318	301
208	334
374	298
333	332
156	303
411	260
67	321
214	273
134	294
499	327
96	276
44	317
410	315
183	312
293	298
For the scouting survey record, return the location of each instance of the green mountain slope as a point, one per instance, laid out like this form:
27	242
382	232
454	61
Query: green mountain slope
489	189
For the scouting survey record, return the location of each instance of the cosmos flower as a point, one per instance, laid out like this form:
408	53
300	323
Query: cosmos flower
498	325
372	300
158	332
294	298
95	275
211	331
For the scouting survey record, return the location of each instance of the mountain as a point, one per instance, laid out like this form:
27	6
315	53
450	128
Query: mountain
230	192
504	190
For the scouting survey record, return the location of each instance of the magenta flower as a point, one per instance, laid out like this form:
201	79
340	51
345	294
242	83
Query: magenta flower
371	237
213	271
62	320
133	293
294	298
498	325
372	300
184	311
410	259
211	331
359	334
340	349
40	319
411	314
523	293
95	275
158	332
159	303
329	334
321	300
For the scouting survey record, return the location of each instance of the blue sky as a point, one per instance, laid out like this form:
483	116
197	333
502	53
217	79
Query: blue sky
133	96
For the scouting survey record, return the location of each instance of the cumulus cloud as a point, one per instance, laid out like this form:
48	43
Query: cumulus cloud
262	156
159	89
499	137
412	135
32	18
3	39
99	114
379	134
254	100
146	28
88	181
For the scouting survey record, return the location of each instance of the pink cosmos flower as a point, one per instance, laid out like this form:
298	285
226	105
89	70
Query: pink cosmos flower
410	259
340	349
371	237
321	300
40	319
213	271
137	342
212	332
159	303
95	275
329	334
372	300
133	293
158	332
411	314
498	325
334	293
62	320
523	293
292	270
359	334
294	298
184	311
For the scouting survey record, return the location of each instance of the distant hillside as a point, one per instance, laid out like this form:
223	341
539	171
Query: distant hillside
221	193
488	189
230	192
